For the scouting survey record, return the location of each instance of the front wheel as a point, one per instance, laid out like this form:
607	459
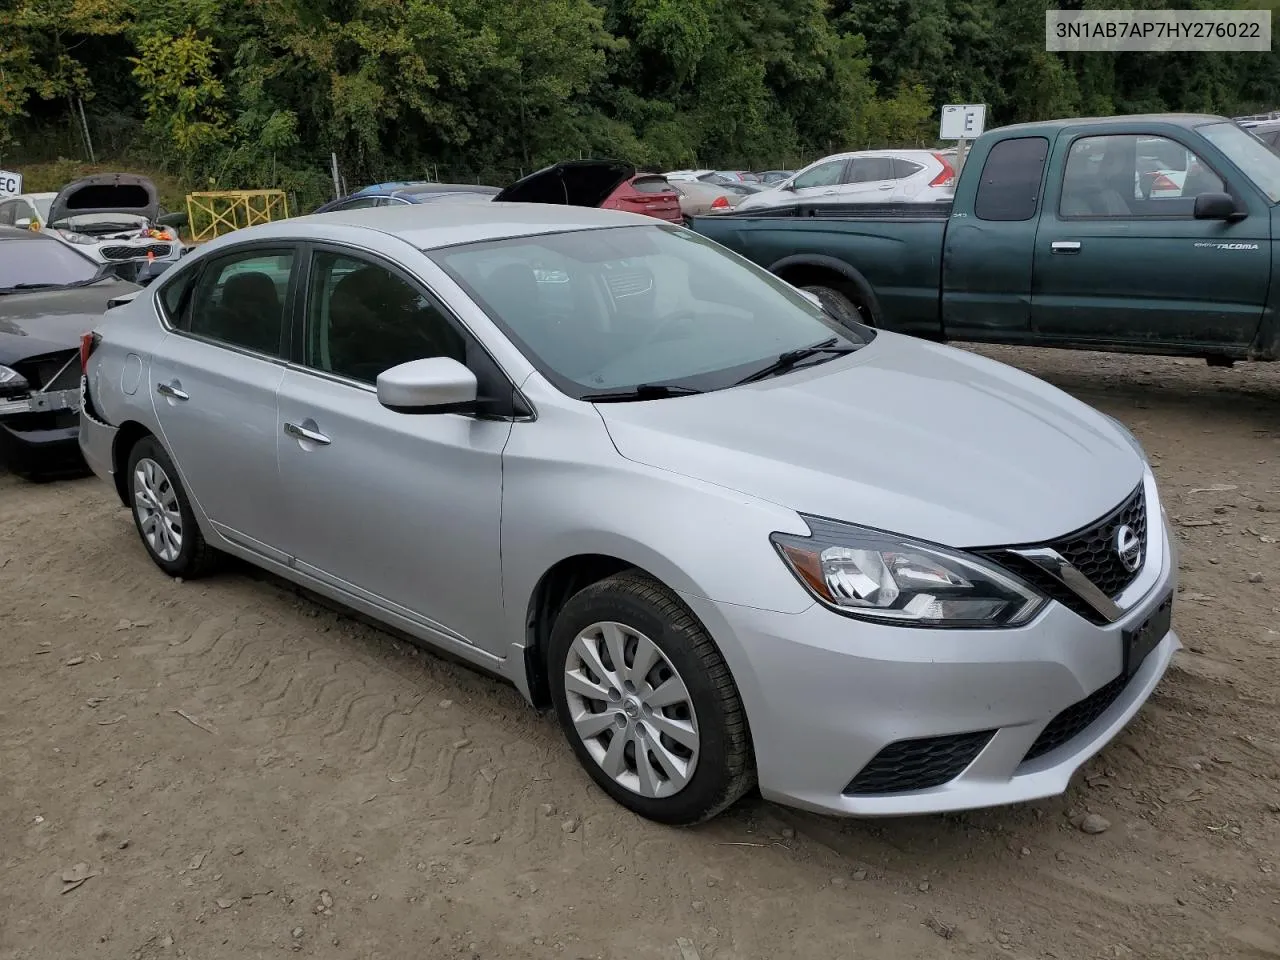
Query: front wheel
647	702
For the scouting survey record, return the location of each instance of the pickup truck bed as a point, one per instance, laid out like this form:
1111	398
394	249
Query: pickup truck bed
1130	234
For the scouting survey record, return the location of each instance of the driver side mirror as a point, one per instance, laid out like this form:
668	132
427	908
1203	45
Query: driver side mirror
787	185
1216	206
433	385
23	224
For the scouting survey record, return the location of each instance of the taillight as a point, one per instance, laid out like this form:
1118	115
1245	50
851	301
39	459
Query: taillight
88	342
947	177
1161	182
720	203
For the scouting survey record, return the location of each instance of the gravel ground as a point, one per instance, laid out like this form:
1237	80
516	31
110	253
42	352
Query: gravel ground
236	771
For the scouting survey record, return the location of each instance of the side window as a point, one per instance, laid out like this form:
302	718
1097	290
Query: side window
869	169
363	319
1009	188
823	175
1123	175
8	213
902	169
359	203
173	295
241	300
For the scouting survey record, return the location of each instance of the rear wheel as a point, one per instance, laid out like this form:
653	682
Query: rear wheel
647	701
163	516
839	305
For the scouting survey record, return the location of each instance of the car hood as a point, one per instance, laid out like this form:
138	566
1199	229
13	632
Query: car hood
46	321
106	193
575	183
905	436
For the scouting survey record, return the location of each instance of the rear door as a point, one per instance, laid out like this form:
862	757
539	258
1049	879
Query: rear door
868	180
1119	257
214	379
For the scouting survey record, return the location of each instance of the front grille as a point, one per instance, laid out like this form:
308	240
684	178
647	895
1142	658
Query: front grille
1075	718
1093	551
918	764
135	253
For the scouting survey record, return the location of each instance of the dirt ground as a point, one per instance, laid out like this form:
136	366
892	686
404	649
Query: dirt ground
244	773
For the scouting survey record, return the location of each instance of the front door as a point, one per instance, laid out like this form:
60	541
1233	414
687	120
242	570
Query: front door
402	510
1119	258
213	383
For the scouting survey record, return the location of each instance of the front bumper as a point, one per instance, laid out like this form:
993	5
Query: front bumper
826	694
40	444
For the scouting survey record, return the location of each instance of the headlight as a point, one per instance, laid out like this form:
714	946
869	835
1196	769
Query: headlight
879	576
12	383
76	237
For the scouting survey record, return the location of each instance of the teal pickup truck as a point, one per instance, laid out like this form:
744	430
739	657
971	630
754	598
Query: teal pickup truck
1142	234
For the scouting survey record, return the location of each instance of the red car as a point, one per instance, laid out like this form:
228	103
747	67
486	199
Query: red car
611	184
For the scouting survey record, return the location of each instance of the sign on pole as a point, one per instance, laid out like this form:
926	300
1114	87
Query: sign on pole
963	121
10	183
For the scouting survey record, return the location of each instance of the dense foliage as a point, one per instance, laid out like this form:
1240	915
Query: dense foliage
239	93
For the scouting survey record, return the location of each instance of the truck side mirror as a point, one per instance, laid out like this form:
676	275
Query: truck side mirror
1216	206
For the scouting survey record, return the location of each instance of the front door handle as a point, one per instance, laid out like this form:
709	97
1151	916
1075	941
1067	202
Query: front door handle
1065	246
299	431
172	390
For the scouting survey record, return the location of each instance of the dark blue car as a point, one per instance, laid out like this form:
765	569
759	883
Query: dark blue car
387	194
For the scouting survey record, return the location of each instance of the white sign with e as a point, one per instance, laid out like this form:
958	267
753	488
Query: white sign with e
10	183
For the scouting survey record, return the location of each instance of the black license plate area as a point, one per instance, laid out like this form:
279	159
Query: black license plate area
1142	639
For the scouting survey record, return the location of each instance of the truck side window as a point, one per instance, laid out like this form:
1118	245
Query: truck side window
1009	188
1130	175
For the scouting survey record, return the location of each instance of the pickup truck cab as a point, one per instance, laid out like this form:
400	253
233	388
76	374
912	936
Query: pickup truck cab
1143	234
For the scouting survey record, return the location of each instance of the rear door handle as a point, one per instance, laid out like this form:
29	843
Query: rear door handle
301	432
1065	246
172	390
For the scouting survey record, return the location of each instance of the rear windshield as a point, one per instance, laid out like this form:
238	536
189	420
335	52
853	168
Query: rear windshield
651	185
1259	163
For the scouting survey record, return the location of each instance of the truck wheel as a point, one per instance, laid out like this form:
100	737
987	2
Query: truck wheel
839	305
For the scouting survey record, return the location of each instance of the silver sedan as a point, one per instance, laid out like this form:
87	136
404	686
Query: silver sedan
727	538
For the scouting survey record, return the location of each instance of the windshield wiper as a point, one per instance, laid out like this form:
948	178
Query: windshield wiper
643	391
52	286
831	347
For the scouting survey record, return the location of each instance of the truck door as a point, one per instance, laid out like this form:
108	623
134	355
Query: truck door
1120	258
990	239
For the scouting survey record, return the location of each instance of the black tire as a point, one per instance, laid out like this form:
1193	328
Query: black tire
725	768
195	558
839	305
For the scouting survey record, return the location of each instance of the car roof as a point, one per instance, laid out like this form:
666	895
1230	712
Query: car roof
434	225
1174	119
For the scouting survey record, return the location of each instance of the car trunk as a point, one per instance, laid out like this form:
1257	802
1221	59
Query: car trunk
575	183
647	194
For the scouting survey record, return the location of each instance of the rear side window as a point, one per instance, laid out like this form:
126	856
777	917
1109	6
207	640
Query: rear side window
870	169
1009	188
905	168
173	295
241	300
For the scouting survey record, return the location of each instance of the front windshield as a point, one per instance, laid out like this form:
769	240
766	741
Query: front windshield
608	310
44	206
42	261
1254	158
